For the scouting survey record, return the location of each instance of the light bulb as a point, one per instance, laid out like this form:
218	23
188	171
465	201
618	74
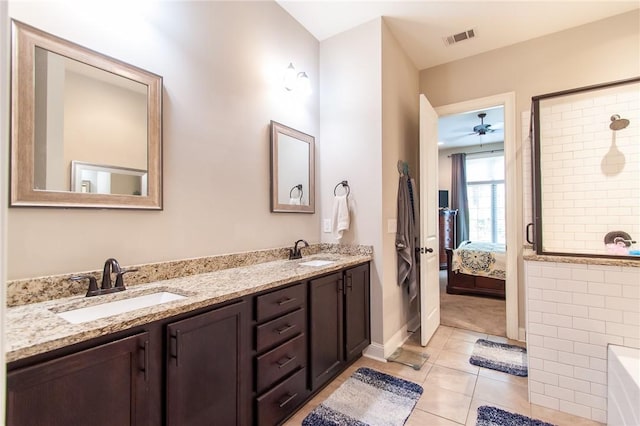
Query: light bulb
290	77
303	85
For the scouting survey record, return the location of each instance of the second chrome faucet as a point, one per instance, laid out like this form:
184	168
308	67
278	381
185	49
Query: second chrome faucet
294	253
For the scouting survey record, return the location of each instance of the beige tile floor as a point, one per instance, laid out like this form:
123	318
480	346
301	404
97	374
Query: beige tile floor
453	388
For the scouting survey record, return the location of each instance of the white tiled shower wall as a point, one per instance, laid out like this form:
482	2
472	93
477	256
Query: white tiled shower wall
573	312
590	174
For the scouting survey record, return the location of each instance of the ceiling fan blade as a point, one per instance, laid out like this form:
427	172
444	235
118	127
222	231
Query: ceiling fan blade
458	137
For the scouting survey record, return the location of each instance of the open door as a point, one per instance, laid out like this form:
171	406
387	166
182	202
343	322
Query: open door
429	263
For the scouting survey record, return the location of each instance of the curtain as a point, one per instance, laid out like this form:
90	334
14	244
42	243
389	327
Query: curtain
459	200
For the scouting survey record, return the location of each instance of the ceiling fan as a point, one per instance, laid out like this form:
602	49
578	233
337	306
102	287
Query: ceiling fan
482	129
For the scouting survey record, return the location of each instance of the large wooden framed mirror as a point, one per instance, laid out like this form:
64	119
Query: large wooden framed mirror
292	170
71	106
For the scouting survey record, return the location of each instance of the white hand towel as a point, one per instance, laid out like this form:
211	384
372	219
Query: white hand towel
340	215
294	201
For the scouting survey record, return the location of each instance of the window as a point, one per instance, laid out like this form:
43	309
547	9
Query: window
485	191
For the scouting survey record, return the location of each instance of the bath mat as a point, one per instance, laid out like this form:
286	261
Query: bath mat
492	416
368	397
413	359
500	356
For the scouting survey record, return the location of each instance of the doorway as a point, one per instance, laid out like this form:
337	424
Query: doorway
507	100
477	139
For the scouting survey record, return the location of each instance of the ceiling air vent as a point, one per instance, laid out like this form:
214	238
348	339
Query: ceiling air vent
457	38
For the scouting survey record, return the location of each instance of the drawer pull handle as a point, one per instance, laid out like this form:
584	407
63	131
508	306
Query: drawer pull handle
175	338
283	362
288	400
285	301
145	366
286	328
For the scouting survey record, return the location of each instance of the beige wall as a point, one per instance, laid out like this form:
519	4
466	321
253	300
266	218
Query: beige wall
222	64
351	146
119	139
400	141
602	51
369	120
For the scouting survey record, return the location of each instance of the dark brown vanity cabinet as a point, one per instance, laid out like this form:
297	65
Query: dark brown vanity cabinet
206	378
357	311
281	353
106	385
251	361
208	366
338	321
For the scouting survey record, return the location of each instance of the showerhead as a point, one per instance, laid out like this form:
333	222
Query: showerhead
618	123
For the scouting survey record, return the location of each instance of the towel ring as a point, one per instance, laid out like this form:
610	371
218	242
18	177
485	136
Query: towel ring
345	185
299	188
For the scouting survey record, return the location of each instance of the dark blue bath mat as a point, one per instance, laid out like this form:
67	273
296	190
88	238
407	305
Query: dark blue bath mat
367	398
492	416
500	356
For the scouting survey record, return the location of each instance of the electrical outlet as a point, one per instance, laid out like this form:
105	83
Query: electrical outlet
392	226
326	225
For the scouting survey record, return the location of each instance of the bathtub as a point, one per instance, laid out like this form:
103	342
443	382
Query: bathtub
623	395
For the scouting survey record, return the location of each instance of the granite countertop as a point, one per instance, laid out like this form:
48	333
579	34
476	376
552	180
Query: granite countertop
35	328
532	256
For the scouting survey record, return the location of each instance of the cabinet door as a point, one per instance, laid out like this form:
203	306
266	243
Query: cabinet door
326	322
105	385
357	323
209	369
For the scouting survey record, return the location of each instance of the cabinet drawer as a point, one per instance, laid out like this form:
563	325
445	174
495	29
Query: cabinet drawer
280	401
280	301
280	329
277	363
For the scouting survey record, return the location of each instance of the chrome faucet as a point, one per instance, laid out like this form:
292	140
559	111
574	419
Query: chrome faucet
294	253
111	266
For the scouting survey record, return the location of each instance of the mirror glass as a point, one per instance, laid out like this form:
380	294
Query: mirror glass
292	170
95	179
587	171
86	129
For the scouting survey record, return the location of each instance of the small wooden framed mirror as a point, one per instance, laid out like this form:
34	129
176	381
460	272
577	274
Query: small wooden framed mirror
292	170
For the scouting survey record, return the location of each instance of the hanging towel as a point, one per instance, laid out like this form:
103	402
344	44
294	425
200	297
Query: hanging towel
407	236
294	201
340	215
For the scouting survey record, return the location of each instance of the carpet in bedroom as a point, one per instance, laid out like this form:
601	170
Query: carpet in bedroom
481	314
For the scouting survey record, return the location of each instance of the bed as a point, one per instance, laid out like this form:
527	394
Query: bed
476	268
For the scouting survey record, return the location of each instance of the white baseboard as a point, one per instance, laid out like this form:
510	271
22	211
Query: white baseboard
522	334
381	352
374	351
413	324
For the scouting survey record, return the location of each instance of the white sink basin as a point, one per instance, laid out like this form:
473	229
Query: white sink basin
90	313
317	262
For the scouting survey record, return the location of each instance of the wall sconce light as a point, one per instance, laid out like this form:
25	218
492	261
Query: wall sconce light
296	81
